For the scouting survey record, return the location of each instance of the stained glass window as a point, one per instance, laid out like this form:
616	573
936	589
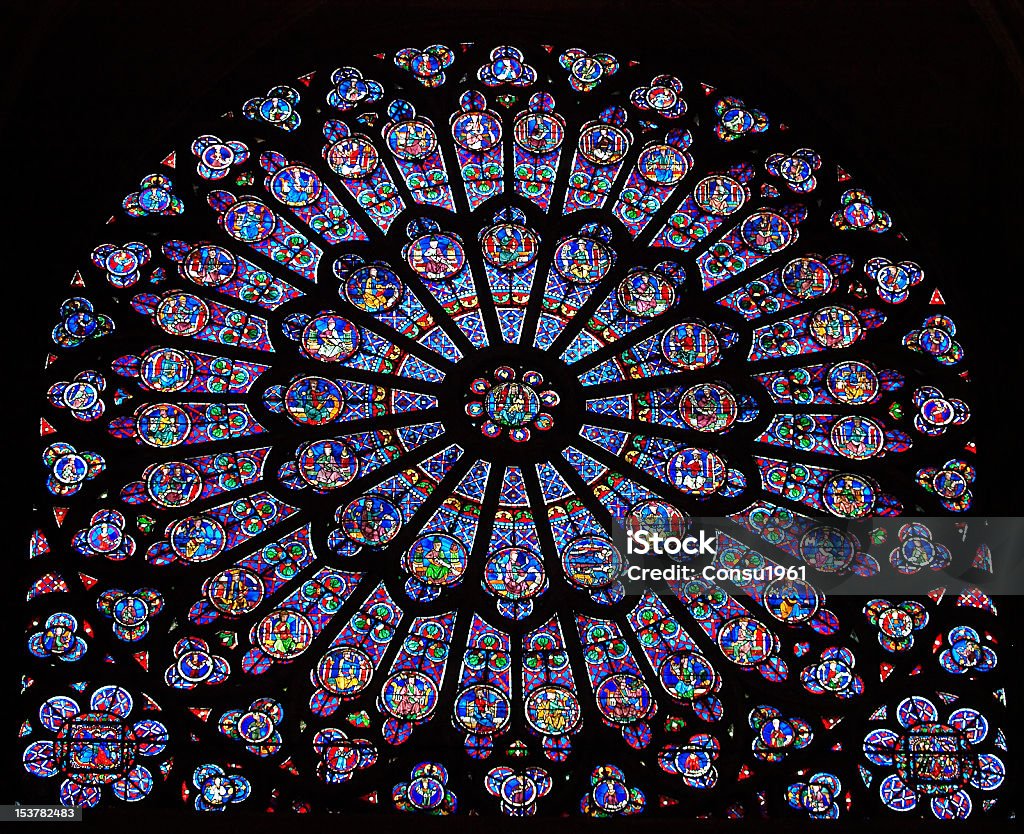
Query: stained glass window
344	404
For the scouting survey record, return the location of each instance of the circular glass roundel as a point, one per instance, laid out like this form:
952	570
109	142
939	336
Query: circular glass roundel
662	165
255	727
482	710
690	346
210	266
437	559
374	289
275	109
371	520
857	437
345	671
200	539
603	144
937	411
746	642
552	710
313	401
508	246
835	327
284	634
538	133
514	573
182	314
476	131
791	600
436	257
360	407
807	278
766	232
353	158
829	550
852	382
327	464
218	156
412	140
624	699
512	404
708	408
249	221
582	260
82	396
296	185
195	666
646	294
592	562
409	696
105	536
696	471
163	424
235	591
166	369
330	338
849	496
719	195
130	612
687	676
174	484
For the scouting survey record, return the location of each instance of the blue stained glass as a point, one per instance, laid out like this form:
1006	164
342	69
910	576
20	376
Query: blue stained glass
659	169
477	132
483	707
713	199
552	707
243	587
301	190
756	237
168	369
600	153
354	656
209	265
285	633
250	221
355	159
413	142
409	695
457	313
799	280
538	134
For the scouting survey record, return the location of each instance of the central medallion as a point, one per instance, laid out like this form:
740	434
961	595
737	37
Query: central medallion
507	401
511	404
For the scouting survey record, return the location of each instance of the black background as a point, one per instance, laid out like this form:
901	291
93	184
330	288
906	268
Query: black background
924	100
